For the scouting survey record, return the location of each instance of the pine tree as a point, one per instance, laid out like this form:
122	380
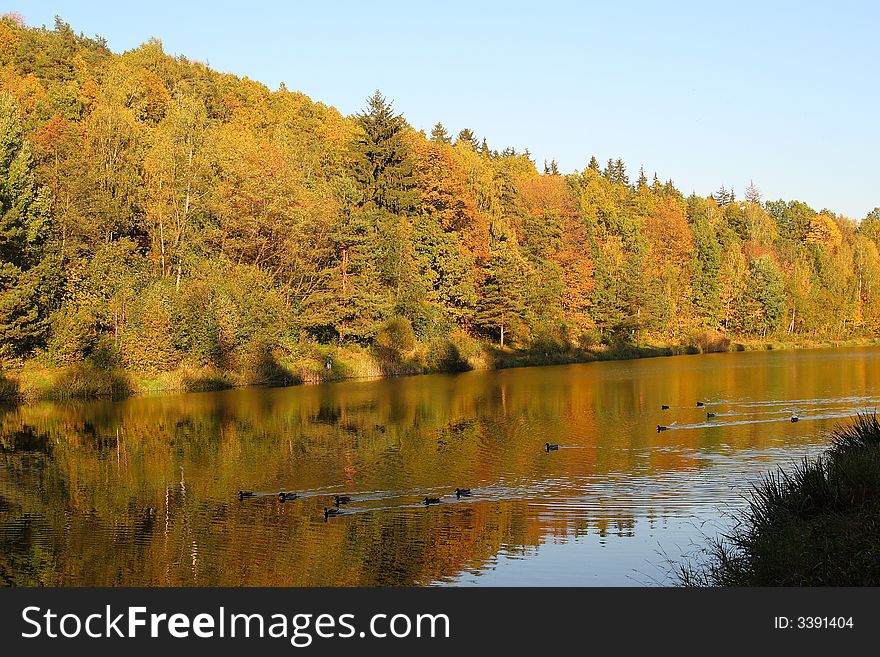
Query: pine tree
439	134
643	180
503	300
594	164
468	138
753	194
484	149
609	171
382	167
620	172
28	281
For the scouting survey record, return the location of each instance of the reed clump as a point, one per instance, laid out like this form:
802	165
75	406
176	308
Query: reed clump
817	524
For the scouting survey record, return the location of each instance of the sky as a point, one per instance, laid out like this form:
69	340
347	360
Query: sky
784	94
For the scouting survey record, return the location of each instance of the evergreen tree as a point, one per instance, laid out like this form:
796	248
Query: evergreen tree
594	164
28	282
439	134
501	306
753	194
706	267
484	149
724	197
467	137
620	173
382	167
764	297
609	171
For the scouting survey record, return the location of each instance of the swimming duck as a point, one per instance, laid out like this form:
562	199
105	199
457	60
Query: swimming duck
243	494
700	404
795	418
341	499
550	447
462	492
660	428
283	497
710	415
431	500
331	512
664	407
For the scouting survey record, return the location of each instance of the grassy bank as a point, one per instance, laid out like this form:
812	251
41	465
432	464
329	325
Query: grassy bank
816	525
38	379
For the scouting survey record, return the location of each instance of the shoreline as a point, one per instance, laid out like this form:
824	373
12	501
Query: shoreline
34	382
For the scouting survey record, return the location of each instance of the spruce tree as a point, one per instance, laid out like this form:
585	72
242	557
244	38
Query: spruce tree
382	166
28	281
502	303
439	134
467	137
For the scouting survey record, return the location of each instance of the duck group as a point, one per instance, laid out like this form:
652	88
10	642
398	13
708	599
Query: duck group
339	500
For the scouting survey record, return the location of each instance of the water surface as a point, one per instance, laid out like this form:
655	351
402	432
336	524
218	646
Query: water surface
145	491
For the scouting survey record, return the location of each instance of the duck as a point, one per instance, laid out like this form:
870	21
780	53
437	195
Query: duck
283	497
331	512
242	494
795	418
700	404
664	407
462	492
550	447
431	500
341	499
709	416
660	428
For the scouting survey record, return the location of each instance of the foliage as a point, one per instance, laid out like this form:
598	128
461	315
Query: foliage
159	214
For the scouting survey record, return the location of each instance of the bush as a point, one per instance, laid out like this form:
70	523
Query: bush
195	326
146	343
74	335
814	526
394	339
712	341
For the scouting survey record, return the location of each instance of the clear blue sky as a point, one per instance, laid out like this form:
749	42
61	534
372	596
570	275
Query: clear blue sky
785	93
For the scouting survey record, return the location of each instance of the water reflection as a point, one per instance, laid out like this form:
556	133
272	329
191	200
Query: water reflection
146	491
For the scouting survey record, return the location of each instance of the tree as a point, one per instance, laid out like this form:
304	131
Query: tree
764	302
752	194
382	167
179	174
28	281
468	138
706	269
439	134
500	308
792	218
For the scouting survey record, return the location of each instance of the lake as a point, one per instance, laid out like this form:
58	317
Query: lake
146	491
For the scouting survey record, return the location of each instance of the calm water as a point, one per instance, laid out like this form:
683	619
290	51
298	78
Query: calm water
145	491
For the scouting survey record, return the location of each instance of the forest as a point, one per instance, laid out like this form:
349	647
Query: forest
164	222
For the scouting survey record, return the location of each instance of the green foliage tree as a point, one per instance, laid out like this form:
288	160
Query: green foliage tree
28	279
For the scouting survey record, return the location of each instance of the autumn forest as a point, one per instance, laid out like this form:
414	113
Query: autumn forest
158	217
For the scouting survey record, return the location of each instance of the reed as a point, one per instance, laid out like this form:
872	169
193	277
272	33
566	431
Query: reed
814	525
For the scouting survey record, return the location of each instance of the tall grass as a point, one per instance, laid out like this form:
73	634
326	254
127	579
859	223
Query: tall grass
815	525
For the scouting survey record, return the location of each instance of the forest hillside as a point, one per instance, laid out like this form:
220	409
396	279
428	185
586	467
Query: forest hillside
165	224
